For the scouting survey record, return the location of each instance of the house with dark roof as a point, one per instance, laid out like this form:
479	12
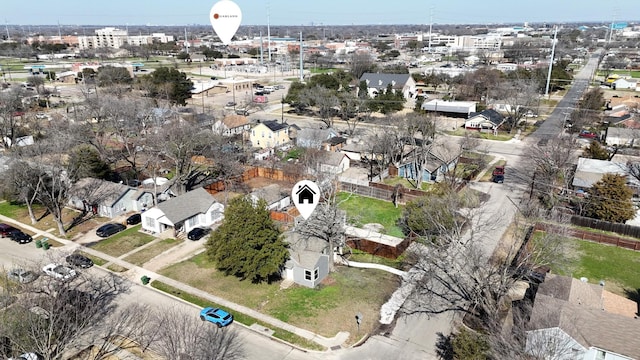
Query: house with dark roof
377	82
314	138
196	208
574	319
269	134
440	160
106	198
487	120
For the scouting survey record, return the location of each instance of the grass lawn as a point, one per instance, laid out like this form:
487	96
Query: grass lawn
326	310
123	242
45	221
364	210
141	257
620	268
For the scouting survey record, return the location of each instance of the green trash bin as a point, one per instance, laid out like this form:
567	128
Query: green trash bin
38	243
46	245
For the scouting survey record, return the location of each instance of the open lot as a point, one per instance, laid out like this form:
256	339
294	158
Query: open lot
142	256
364	210
326	310
123	242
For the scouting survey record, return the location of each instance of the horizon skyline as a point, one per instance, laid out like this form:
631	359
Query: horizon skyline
291	13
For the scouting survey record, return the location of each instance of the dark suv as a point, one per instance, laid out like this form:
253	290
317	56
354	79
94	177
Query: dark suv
20	237
5	230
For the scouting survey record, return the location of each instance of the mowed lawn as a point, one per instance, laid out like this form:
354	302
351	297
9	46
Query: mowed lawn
326	310
123	242
142	256
364	210
619	268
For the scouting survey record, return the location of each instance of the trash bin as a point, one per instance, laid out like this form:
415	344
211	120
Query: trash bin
46	245
38	243
145	279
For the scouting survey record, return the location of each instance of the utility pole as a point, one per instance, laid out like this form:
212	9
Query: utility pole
430	28
301	62
261	50
533	181
553	51
268	32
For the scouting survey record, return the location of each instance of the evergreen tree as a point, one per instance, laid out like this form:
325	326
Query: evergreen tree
610	199
596	151
248	244
85	161
176	81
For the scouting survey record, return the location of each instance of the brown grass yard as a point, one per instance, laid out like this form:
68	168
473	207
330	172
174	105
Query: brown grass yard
142	256
123	242
45	221
326	310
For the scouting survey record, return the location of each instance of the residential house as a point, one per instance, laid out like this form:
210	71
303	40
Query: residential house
440	160
622	137
308	263
196	208
67	77
314	138
232	125
107	199
450	108
333	162
573	319
590	171
377	82
269	134
354	150
487	120
275	196
624	84
334	144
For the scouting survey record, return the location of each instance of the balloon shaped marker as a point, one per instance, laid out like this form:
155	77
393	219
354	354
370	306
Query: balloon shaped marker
225	18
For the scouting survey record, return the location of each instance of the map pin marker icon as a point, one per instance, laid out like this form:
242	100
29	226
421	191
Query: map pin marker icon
225	18
305	196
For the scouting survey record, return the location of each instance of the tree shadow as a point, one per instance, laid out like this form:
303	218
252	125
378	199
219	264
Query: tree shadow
81	218
44	215
444	347
635	296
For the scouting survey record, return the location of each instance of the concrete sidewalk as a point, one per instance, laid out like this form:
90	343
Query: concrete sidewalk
135	273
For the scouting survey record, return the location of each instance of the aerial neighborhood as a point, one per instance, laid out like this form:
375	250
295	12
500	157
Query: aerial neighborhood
320	191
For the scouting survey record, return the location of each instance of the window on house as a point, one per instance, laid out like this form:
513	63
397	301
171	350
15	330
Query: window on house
150	222
600	354
263	134
307	275
316	274
253	133
192	222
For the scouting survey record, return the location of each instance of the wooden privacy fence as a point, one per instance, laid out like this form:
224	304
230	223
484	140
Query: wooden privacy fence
589	236
248	174
622	229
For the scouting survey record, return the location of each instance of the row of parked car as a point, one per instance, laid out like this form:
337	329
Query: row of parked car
56	271
14	234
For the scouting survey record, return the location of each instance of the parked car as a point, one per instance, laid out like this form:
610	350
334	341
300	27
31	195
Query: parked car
216	316
109	229
497	176
197	233
243	112
134	219
79	260
20	237
5	229
230	104
21	275
59	272
586	134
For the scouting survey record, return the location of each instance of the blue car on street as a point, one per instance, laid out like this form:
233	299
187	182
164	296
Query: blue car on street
217	316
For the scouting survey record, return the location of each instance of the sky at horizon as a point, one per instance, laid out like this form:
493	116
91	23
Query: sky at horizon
327	12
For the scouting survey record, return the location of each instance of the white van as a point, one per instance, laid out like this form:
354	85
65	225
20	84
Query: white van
269	89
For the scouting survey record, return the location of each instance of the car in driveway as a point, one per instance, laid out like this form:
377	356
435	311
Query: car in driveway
60	272
21	275
109	229
6	229
216	316
197	233
586	134
230	104
134	219
497	176
20	237
79	260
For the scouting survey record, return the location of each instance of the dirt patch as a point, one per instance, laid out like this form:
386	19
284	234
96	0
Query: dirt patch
260	182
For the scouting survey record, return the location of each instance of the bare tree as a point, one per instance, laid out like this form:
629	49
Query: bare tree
420	133
10	103
53	317
325	101
183	338
26	182
518	96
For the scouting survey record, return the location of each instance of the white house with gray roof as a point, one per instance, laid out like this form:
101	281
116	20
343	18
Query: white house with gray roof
308	263
107	199
377	82
196	208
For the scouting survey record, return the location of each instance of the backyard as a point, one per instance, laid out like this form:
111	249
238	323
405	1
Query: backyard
364	210
326	310
620	268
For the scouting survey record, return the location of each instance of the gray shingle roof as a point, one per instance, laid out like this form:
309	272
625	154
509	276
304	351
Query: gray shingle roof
380	81
182	207
98	191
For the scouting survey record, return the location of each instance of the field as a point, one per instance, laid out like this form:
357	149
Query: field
364	210
326	310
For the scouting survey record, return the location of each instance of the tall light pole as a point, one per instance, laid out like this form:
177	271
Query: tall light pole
553	51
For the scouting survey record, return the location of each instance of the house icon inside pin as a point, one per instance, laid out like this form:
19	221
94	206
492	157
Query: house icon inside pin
305	193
